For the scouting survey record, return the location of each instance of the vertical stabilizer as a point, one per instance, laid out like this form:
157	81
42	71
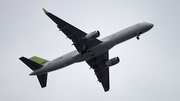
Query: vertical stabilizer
39	60
36	63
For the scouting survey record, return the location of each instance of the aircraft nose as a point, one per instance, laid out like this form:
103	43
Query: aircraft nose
150	25
147	26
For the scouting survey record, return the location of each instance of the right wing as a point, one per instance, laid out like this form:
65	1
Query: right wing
73	33
100	69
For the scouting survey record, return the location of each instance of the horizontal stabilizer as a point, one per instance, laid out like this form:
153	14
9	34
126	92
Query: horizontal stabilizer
42	79
31	64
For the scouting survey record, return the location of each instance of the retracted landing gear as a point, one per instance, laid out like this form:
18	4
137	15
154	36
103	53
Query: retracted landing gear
138	35
84	49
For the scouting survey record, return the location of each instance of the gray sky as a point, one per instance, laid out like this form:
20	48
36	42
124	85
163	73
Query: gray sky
148	70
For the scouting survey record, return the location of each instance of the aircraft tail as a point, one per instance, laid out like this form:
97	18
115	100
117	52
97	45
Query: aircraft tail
35	63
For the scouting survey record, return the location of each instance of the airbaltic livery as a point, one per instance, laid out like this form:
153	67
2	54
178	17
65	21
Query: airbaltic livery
88	48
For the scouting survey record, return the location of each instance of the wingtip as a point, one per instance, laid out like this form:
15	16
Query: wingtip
45	11
21	58
106	90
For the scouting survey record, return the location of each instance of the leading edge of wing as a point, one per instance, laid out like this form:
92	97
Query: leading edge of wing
60	23
73	33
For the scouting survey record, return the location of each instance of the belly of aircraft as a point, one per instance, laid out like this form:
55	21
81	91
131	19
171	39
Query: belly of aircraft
95	51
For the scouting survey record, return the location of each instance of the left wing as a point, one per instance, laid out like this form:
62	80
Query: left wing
73	33
100	69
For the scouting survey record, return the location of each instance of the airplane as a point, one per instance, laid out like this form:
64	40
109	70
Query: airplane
88	48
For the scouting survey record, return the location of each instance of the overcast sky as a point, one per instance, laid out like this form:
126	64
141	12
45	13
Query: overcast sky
149	69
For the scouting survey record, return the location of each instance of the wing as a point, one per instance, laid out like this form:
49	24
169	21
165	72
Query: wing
100	69
73	33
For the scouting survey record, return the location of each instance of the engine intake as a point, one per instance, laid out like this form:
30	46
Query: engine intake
112	61
92	35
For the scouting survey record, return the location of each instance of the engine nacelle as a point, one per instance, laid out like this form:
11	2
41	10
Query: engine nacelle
112	61
92	35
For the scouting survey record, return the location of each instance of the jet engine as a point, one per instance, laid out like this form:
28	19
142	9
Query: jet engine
92	35
112	61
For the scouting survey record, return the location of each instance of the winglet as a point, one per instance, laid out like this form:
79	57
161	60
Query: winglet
46	12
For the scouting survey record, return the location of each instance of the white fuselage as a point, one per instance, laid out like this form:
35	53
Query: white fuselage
106	44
